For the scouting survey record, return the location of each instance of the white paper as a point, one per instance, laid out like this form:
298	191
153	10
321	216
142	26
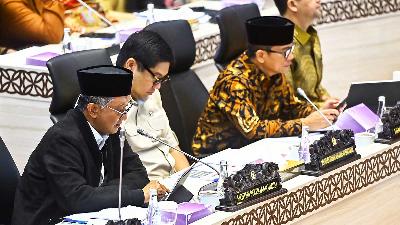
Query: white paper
128	212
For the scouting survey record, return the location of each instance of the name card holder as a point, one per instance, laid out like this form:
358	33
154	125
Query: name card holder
391	126
333	150
253	184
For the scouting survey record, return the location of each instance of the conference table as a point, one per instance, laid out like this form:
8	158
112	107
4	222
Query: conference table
308	196
23	79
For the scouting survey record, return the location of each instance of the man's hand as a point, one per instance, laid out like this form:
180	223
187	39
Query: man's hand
331	103
315	121
161	190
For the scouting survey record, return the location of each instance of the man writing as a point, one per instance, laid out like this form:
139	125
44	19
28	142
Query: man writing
75	167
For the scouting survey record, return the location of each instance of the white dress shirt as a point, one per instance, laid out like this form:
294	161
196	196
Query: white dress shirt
100	140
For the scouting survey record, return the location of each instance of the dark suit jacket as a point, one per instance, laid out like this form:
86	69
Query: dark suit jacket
63	174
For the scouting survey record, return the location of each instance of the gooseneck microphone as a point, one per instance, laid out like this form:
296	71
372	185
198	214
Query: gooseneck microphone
143	133
122	141
104	19
302	93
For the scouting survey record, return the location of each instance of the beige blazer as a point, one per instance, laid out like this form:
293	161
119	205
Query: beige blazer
151	117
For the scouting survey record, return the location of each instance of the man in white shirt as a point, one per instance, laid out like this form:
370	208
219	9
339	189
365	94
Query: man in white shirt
149	57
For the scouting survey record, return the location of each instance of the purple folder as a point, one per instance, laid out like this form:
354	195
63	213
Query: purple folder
189	212
358	118
124	34
40	59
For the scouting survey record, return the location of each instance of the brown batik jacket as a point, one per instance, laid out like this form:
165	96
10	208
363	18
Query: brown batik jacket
246	105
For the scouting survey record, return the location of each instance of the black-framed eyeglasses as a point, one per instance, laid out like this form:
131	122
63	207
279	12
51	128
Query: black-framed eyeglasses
285	53
155	78
126	110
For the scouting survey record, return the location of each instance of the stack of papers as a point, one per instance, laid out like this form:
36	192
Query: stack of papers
183	13
101	217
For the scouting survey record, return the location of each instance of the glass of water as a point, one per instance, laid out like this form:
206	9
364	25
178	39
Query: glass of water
168	212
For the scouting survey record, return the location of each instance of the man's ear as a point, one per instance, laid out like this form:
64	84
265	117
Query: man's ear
93	110
259	56
131	64
292	6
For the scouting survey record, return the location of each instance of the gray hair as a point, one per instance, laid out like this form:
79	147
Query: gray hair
84	100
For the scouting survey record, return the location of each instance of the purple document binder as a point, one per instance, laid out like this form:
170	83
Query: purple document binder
358	118
124	34
189	212
40	59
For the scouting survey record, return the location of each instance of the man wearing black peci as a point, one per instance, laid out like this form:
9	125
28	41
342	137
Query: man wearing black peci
75	167
251	99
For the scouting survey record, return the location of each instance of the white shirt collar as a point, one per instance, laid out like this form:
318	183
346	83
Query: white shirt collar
100	139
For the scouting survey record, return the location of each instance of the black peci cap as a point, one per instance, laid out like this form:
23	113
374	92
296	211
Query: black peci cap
105	81
269	31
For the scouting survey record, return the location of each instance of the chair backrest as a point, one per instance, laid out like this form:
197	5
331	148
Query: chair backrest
184	96
9	177
141	5
65	81
231	22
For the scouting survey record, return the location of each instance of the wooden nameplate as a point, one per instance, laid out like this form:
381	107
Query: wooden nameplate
317	173
251	202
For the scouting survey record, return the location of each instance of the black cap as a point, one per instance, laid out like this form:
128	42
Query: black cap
105	81
269	30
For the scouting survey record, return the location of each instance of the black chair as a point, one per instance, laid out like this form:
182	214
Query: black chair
141	5
65	81
231	22
9	177
184	96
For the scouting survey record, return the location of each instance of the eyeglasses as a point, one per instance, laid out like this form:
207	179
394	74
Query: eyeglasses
156	79
126	110
285	53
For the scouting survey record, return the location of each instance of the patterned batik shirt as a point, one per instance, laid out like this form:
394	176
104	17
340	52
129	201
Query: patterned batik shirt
246	105
306	69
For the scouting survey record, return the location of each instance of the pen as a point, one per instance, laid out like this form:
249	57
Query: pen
74	221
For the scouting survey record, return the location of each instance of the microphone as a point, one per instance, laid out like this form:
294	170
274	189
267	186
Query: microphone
178	193
114	49
122	141
302	93
143	133
104	19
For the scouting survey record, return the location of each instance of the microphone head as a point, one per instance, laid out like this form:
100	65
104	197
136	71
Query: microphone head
122	130
301	92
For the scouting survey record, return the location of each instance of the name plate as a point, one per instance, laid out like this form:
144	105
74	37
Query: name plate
330	150
337	156
252	182
391	124
258	191
396	131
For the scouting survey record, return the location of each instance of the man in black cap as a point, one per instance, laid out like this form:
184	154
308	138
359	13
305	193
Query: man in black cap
251	99
75	167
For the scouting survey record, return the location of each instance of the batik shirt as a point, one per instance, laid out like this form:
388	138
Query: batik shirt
246	105
306	69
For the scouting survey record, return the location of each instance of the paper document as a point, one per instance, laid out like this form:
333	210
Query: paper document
128	212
